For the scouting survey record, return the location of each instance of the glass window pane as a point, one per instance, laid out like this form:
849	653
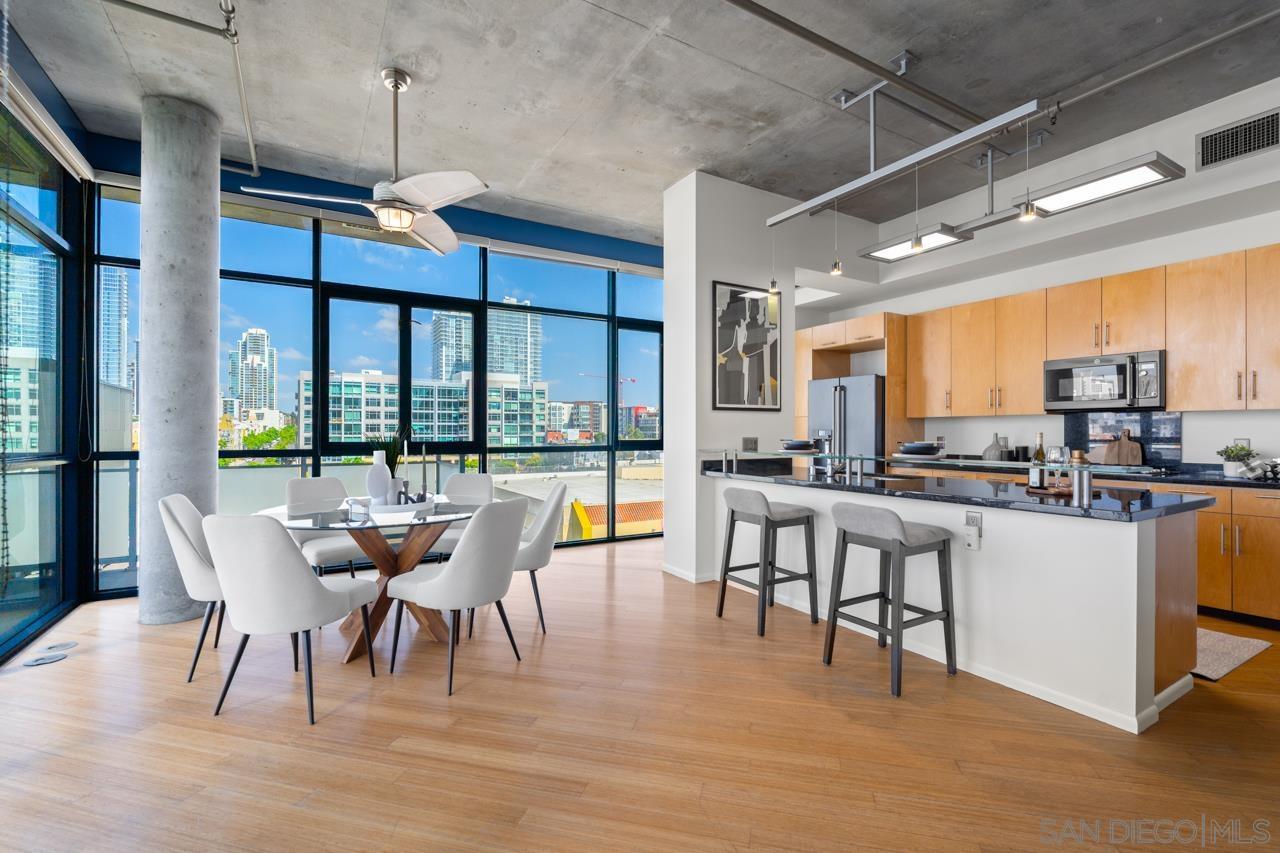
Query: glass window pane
34	582
440	407
639	385
118	304
639	296
248	485
547	380
119	222
547	284
117	493
255	239
364	370
637	489
31	176
361	254
30	276
533	475
266	344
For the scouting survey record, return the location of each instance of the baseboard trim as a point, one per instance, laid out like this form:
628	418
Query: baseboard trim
679	573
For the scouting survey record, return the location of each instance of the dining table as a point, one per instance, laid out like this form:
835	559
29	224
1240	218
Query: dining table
420	525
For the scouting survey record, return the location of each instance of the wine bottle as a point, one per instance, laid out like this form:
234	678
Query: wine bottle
1035	476
1038	456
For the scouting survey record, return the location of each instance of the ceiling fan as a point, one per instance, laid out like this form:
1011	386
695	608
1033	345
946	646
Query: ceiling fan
406	205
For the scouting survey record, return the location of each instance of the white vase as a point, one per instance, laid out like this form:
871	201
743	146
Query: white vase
398	485
378	481
1232	469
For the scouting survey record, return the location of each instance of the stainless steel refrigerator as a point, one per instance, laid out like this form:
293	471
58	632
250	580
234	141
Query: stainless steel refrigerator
850	410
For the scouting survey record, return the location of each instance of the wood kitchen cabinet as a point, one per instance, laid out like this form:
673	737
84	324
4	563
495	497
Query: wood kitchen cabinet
1205	312
973	358
1255	575
1213	559
828	335
1019	357
1133	311
929	364
1262	341
803	372
1074	320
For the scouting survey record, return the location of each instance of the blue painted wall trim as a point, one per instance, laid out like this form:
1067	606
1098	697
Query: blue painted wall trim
29	69
112	154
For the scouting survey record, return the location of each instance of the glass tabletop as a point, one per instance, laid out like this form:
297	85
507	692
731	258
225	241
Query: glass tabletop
906	460
353	515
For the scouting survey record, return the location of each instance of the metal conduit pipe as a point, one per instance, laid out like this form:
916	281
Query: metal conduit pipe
228	32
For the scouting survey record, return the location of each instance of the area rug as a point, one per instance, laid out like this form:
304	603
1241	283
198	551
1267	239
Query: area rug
1218	653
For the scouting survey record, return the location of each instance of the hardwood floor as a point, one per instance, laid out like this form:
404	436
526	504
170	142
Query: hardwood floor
638	721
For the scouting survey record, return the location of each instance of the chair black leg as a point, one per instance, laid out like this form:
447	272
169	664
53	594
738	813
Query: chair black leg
897	582
235	663
724	561
217	632
351	567
368	638
837	581
395	634
883	620
293	638
455	617
505	624
537	599
948	624
773	561
471	622
306	655
811	561
204	629
763	585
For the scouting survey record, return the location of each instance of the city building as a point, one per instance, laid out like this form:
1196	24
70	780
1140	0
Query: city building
558	414
113	326
251	371
589	416
515	342
31	299
451	344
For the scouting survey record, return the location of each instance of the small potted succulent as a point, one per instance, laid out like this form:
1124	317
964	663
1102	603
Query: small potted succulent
1234	457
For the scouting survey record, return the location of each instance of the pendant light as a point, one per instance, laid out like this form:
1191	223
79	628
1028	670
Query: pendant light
773	262
836	267
917	245
1026	210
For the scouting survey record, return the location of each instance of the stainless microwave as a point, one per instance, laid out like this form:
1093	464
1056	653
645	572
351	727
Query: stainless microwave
1103	383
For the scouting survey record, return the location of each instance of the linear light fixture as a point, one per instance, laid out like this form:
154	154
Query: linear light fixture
934	237
1111	182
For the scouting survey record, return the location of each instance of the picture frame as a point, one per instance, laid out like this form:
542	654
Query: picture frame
746	357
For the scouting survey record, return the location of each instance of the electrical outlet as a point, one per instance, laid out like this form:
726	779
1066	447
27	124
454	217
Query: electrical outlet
973	531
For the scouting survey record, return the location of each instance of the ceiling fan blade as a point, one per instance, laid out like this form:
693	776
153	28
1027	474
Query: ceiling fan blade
431	231
302	196
434	190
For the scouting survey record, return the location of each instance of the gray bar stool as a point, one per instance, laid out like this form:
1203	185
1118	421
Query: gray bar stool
895	539
754	508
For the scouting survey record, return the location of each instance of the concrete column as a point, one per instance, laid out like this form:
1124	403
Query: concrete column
178	338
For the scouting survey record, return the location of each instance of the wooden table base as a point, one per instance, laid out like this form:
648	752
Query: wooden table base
389	562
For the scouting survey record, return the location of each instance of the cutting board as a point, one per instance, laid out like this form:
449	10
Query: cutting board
1123	451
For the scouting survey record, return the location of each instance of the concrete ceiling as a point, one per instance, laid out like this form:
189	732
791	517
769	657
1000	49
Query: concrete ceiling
581	112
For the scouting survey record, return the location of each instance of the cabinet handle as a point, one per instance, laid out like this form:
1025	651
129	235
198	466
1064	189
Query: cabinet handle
1266	498
1222	539
1107	341
999	397
946	399
1188	492
1239	384
864	337
991	398
1255	384
1237	540
1096	331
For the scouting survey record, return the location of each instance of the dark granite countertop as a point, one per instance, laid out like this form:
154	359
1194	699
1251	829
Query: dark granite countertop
1186	475
1110	504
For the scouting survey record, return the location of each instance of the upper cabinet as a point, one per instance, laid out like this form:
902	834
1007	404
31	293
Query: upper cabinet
1262	286
1133	311
973	358
828	335
1205	311
1020	353
1074	320
803	367
929	364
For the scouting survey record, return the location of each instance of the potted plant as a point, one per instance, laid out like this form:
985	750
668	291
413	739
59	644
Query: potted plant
1234	457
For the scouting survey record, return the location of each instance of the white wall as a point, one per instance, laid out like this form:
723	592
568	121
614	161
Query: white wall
1223	209
713	230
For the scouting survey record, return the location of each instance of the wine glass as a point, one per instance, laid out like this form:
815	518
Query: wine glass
1053	456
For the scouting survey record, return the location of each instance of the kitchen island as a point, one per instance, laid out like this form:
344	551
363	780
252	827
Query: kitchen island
1090	608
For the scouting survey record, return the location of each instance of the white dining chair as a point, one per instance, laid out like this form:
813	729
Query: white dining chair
270	589
478	573
321	547
538	540
468	490
186	537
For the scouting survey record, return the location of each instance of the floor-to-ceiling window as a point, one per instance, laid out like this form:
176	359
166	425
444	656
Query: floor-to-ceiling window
34	257
335	335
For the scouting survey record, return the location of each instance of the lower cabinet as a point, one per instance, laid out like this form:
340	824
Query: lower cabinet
1213	559
1255	575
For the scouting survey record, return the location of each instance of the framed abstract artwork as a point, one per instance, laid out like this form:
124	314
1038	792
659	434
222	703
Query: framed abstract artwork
747	334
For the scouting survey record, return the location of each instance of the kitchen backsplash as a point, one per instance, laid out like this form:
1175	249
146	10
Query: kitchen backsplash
1159	433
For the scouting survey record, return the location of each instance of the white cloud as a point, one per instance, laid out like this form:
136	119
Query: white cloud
233	320
388	325
646	351
292	354
361	362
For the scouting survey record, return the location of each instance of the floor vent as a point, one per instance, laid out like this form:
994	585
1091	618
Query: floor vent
1239	139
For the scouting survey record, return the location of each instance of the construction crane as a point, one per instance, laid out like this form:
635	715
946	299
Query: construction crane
621	379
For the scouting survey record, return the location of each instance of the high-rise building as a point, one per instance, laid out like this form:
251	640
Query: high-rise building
113	326
587	416
515	342
558	415
31	299
517	411
132	375
451	344
251	371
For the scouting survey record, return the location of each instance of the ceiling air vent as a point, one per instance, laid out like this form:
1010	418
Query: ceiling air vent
1238	139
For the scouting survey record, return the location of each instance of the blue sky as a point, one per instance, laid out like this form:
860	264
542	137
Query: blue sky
363	333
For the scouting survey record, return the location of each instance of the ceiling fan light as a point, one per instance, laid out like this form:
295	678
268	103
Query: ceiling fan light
394	218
